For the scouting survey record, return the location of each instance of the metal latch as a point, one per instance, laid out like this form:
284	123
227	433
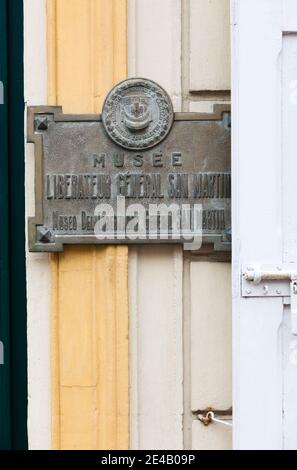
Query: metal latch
272	281
209	416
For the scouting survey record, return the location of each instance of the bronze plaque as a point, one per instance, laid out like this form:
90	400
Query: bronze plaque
94	174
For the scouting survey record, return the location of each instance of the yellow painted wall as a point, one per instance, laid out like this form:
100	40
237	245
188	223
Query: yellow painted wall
87	55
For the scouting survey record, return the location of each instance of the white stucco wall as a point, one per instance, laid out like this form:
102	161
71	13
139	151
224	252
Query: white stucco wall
38	272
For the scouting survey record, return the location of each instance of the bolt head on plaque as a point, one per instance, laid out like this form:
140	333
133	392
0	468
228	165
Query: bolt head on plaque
44	235
137	114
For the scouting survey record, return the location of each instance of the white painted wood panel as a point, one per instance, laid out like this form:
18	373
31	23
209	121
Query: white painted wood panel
159	50
156	273
289	16
212	437
37	264
289	161
211	345
209	333
257	220
211	336
156	347
154	38
209	45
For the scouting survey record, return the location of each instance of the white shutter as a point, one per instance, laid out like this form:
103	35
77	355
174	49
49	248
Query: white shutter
264	59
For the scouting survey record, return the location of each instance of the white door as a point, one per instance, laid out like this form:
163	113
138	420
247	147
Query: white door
264	117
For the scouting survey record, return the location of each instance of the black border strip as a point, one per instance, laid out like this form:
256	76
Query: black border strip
13	315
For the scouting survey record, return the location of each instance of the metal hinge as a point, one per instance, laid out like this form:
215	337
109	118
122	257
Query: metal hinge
272	281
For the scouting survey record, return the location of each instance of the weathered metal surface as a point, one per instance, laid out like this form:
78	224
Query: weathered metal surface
137	114
78	166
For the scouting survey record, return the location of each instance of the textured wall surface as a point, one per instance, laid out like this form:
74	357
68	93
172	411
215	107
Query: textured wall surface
38	270
180	328
210	45
178	357
90	382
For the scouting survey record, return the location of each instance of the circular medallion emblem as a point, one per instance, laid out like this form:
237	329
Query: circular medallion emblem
137	114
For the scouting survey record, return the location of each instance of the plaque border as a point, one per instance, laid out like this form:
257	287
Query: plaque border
33	137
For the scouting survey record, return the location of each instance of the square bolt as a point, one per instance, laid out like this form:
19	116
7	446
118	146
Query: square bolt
44	235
